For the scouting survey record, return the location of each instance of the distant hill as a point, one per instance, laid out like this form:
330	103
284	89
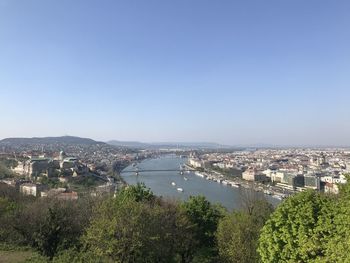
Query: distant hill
130	144
195	144
135	144
49	140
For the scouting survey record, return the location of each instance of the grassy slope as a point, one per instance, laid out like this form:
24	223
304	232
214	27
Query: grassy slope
15	256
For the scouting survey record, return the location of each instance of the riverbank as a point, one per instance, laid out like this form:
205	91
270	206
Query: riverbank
163	176
238	182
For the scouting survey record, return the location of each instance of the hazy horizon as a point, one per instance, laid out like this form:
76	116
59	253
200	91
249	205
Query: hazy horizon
257	144
229	72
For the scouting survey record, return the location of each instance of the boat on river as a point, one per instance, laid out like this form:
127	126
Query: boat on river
277	196
267	192
199	174
180	189
173	183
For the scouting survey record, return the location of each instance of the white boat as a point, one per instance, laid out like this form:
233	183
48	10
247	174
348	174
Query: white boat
235	185
173	183
277	197
199	174
180	189
185	178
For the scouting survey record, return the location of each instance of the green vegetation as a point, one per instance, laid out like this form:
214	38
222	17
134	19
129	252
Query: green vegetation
8	162
52	182
296	229
134	226
238	232
81	183
308	227
5	167
15	254
137	226
228	173
5	172
204	216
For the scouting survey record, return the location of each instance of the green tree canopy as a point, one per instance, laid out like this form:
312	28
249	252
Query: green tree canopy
237	236
205	216
5	172
238	232
298	230
337	226
138	193
51	225
127	230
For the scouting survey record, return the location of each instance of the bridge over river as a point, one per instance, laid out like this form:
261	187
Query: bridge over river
162	176
137	171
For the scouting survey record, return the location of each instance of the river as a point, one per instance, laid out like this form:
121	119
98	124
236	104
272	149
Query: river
161	183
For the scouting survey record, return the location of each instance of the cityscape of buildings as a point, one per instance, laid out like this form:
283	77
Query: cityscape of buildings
44	169
282	170
66	170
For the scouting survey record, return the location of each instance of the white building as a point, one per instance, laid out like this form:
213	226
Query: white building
196	163
275	176
253	175
19	169
334	179
29	189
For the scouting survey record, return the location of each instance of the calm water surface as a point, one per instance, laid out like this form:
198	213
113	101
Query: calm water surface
160	183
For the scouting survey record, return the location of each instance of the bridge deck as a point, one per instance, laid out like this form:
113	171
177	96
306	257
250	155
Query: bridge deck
164	170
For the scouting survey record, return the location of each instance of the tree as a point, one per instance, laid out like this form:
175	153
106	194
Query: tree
51	225
8	162
8	209
238	232
336	226
11	203
205	216
126	229
182	231
296	230
237	238
5	172
137	193
48	238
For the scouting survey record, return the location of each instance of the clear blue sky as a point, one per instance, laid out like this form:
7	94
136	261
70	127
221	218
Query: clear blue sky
234	72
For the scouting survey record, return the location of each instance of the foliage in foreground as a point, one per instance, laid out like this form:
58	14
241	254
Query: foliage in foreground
308	227
134	226
238	233
138	227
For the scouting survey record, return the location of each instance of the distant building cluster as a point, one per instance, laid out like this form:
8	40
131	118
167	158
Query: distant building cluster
50	167
39	190
39	164
290	169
